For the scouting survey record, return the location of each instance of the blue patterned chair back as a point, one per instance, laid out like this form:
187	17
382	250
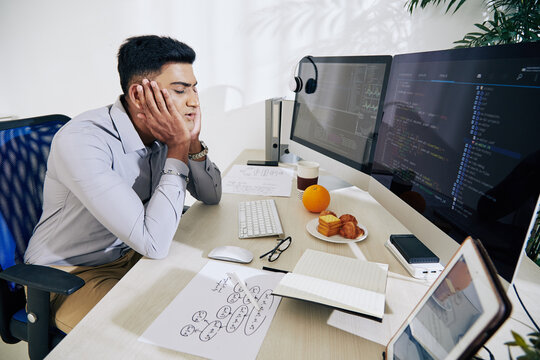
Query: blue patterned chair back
24	149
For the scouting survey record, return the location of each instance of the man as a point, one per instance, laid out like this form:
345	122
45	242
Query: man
117	176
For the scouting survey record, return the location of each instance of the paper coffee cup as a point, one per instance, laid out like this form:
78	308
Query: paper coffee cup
307	175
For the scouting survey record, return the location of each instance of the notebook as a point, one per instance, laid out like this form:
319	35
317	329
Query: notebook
343	283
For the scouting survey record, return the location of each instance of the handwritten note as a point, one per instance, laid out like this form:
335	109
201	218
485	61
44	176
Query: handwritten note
258	180
212	316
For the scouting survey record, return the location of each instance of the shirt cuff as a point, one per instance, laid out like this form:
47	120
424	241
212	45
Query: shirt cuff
176	165
205	165
178	172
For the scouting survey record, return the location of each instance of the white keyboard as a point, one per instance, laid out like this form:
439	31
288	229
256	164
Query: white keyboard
258	218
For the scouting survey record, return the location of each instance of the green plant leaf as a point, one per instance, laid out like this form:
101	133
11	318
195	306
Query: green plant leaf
530	352
457	6
519	340
413	4
482	27
511	21
450	5
534	338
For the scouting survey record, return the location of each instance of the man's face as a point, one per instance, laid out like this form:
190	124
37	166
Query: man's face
181	83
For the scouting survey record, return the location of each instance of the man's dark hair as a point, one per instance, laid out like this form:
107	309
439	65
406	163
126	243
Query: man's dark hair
143	56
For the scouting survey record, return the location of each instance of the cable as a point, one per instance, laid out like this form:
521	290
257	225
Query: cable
524	308
491	357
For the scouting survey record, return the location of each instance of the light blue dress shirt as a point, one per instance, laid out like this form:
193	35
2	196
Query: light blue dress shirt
104	193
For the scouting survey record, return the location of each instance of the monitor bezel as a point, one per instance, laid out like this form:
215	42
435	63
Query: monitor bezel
504	51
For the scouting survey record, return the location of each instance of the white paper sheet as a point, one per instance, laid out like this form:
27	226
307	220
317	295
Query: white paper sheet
402	294
258	180
212	317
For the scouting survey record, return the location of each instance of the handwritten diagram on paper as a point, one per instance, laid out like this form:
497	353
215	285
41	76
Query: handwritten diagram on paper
258	180
212	316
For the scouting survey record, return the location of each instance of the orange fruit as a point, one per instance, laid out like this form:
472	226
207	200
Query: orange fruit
316	198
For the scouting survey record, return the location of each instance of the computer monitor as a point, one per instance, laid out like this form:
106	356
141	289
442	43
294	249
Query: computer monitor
460	143
335	122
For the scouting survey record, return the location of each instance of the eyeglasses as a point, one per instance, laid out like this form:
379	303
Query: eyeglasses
280	247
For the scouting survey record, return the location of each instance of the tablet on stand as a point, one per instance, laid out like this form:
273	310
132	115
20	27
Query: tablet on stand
458	314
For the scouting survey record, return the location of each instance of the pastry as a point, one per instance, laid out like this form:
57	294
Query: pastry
329	220
327	212
329	225
350	230
327	231
348	218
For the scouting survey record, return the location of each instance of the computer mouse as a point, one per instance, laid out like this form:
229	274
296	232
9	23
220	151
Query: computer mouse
231	253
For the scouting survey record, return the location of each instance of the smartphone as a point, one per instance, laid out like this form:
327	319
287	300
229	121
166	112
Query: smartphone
412	249
262	162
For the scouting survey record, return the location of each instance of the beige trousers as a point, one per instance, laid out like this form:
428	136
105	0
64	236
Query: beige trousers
68	310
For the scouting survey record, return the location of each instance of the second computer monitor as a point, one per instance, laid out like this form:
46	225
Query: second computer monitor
337	111
459	142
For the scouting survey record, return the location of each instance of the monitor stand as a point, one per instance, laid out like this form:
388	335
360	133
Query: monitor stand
331	182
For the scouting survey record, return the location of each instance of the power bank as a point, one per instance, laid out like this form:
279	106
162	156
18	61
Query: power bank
412	249
423	271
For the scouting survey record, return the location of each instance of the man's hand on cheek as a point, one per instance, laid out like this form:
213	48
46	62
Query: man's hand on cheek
161	117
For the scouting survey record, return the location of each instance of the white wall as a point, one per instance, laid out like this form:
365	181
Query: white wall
59	56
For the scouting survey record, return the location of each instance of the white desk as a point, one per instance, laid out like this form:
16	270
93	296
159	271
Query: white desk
299	329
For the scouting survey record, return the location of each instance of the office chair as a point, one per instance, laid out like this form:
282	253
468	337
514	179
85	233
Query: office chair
24	149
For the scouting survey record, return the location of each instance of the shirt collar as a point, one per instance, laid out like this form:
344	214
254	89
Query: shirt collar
130	139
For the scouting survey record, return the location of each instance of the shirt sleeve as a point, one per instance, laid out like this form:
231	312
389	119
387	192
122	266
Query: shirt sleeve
205	181
84	165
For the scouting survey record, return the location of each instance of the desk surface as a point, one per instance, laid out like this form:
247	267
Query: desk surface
299	329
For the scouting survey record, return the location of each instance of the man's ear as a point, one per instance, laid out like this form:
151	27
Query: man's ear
133	96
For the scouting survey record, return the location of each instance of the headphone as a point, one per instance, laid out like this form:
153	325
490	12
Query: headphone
296	82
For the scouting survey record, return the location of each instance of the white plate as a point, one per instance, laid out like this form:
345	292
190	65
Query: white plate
311	227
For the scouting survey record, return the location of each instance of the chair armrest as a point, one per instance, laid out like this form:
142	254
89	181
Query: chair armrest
43	278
